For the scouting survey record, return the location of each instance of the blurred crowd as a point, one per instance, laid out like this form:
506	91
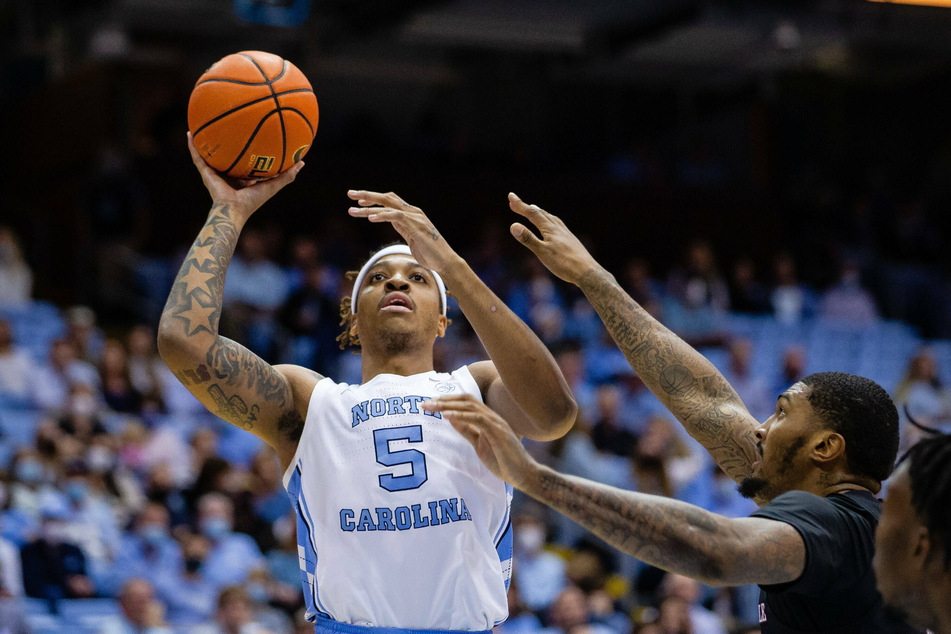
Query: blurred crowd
119	488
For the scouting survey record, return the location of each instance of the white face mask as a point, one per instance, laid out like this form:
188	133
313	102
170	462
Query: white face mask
99	459
529	540
55	533
85	405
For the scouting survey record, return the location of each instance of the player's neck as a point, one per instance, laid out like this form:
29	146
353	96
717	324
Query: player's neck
829	483
402	364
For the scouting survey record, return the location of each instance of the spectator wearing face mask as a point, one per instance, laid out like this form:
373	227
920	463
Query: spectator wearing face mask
188	593
57	568
57	377
540	574
16	368
139	611
30	485
148	551
233	555
92	523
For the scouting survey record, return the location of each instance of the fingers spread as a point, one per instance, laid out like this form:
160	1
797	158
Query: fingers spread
367	198
524	235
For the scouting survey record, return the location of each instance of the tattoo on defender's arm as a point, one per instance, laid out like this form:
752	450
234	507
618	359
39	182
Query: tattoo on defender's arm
666	533
686	382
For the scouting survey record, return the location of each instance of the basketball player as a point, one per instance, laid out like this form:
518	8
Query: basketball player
399	523
913	541
814	466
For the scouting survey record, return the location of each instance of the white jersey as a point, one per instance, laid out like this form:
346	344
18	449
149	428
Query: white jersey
399	522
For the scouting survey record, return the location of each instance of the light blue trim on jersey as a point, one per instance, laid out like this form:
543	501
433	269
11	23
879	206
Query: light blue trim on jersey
509	492
305	540
327	626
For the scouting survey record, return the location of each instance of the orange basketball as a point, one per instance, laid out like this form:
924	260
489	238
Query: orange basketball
252	115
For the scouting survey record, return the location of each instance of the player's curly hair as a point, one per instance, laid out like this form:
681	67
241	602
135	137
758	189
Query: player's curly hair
345	338
863	413
929	468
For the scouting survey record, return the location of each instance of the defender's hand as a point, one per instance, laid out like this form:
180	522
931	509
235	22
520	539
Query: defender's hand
428	246
558	249
494	441
245	196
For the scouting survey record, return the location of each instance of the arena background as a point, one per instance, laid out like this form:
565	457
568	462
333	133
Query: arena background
816	133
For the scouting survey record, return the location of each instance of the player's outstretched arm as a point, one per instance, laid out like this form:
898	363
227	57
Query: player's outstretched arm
663	532
522	382
230	380
683	379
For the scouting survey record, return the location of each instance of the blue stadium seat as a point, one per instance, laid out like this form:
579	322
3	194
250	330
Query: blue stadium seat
88	613
18	426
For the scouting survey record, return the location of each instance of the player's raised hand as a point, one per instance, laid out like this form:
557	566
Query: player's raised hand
494	441
245	196
428	246
558	249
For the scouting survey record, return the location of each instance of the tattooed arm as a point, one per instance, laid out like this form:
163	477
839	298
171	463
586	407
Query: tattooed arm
683	379
662	532
230	380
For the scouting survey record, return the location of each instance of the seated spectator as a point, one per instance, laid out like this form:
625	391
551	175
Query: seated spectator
608	433
118	390
847	300
140	612
687	592
925	396
57	568
112	481
792	368
541	574
11	572
309	318
791	300
233	555
570	614
92	524
264	595
32	483
63	370
235	615
186	590
666	464
255	290
16	277
148	550
16	368
698	293
753	389
568	355
82	418
747	294
146	367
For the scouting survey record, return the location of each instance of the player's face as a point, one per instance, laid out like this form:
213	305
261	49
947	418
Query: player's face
784	446
399	304
898	556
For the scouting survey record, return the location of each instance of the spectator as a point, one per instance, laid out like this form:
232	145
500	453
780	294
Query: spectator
541	574
665	464
792	301
792	368
752	388
148	550
146	368
309	319
568	355
117	388
11	572
747	294
56	379
698	291
569	614
268	496
608	433
701	620
57	568
235	615
139	611
922	393
31	483
92	523
112	481
16	368
233	555
848	300
264	594
643	288
186	590
16	278
83	331
255	290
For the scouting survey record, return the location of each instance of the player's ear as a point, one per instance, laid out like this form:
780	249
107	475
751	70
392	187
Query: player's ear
353	326
828	446
441	325
921	546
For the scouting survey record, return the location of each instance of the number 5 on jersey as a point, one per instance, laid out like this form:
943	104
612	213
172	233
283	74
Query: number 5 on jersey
416	459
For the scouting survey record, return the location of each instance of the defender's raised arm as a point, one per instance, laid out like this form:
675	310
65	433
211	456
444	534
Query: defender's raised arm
683	379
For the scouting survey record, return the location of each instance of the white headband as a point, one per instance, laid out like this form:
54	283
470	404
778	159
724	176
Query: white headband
396	249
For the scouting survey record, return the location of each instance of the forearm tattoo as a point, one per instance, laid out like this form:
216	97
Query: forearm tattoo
686	382
238	382
670	534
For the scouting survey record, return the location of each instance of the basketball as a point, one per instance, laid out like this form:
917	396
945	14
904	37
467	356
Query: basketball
252	115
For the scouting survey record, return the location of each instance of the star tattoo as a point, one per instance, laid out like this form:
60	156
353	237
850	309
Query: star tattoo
196	317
